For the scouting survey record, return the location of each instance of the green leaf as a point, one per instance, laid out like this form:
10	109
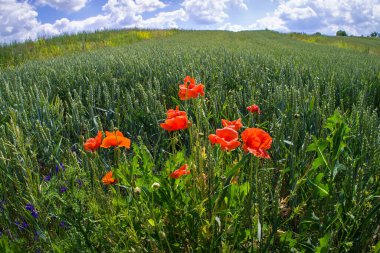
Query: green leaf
376	248
244	189
151	222
323	189
323	244
288	238
318	162
313	146
320	144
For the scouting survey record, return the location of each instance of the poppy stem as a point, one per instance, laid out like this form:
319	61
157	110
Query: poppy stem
174	141
116	154
258	178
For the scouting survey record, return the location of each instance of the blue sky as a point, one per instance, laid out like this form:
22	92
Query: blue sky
30	19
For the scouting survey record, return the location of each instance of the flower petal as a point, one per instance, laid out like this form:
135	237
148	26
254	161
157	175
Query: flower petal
180	172
227	134
109	141
108	179
257	142
124	142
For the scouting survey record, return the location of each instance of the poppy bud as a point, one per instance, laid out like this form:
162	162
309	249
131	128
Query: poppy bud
137	190
156	185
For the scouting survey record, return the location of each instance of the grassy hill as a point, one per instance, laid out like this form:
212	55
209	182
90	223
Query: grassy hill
319	191
17	53
361	44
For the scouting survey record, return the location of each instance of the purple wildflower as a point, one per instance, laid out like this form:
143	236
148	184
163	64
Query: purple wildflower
62	224
32	210
29	207
47	178
79	182
36	235
59	166
63	189
34	214
22	226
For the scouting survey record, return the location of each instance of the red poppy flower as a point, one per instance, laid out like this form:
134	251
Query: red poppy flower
226	137
93	144
174	113
180	172
115	139
254	108
176	120
236	124
188	80
256	141
189	89
108	179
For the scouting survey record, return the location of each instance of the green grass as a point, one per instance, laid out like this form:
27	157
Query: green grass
18	53
368	45
319	191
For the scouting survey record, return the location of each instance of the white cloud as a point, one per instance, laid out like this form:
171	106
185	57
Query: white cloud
64	25
164	20
240	3
17	20
356	17
232	27
19	23
128	12
327	16
64	5
135	6
271	23
210	11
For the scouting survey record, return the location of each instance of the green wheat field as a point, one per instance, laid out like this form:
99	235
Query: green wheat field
319	99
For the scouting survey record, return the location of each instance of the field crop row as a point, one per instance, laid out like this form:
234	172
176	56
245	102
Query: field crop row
319	190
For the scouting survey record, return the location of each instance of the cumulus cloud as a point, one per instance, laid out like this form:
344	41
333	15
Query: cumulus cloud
271	23
65	25
327	16
233	27
210	11
19	23
117	14
128	12
17	20
64	5
164	20
136	6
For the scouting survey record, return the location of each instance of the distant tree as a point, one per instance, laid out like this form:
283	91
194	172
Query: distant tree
375	34
341	33
317	34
